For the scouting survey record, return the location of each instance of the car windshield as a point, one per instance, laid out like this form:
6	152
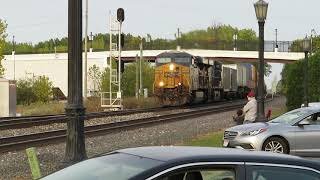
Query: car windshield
117	166
291	117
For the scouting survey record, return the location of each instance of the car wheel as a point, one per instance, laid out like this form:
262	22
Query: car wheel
276	145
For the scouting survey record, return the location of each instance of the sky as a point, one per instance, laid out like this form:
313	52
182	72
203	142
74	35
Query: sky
37	20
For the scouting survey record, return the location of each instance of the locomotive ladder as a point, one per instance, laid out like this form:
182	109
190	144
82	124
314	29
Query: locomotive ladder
113	99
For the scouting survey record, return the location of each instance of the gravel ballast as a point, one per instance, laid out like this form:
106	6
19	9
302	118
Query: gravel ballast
14	165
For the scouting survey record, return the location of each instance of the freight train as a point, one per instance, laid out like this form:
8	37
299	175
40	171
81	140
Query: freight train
181	78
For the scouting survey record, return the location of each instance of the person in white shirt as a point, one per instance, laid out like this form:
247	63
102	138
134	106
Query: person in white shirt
250	109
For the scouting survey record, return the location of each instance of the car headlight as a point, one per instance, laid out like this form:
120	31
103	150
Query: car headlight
161	84
254	133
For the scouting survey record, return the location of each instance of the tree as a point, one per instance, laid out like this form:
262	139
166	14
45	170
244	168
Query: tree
267	69
292	81
3	35
129	78
42	89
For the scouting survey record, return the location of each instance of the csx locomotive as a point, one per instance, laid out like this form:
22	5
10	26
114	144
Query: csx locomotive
181	78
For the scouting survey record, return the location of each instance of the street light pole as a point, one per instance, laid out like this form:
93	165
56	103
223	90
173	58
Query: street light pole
306	48
86	52
75	145
261	8
260	97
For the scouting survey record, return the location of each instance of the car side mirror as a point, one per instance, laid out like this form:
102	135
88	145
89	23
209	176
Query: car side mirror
303	123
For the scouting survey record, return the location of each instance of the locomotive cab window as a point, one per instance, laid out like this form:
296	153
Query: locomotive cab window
161	61
186	61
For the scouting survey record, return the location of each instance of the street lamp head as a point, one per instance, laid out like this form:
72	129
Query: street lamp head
261	8
306	44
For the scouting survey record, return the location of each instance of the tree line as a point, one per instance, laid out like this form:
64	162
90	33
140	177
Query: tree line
292	83
218	37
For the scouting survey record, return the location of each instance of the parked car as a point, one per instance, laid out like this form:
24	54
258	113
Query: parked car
190	163
312	104
296	132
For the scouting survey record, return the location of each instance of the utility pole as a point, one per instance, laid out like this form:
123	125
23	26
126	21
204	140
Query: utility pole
55	47
140	69
86	53
277	46
178	40
75	142
137	77
14	57
91	42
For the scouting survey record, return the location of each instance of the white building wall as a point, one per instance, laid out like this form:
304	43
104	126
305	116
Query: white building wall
50	65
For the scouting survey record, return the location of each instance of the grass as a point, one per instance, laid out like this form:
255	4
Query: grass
41	109
209	140
133	103
92	104
278	112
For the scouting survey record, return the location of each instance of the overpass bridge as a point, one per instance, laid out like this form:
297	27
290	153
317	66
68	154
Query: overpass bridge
55	66
222	55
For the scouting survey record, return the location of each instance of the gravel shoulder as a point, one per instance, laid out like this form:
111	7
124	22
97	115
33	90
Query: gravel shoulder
14	165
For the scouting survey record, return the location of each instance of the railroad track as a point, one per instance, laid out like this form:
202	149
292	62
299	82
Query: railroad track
31	121
45	138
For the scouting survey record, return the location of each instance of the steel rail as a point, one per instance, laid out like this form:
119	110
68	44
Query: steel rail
50	137
31	121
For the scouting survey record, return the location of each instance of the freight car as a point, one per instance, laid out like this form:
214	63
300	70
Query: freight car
181	78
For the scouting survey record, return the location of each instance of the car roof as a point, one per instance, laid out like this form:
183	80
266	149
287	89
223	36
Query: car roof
312	108
166	153
202	154
183	154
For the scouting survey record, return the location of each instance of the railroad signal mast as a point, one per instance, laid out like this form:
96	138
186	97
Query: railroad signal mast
113	98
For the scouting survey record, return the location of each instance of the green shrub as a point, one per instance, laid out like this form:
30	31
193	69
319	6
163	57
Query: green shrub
42	89
37	89
25	95
293	81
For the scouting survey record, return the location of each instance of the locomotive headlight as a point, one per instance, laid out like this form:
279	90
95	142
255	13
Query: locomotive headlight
179	83
171	67
161	84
